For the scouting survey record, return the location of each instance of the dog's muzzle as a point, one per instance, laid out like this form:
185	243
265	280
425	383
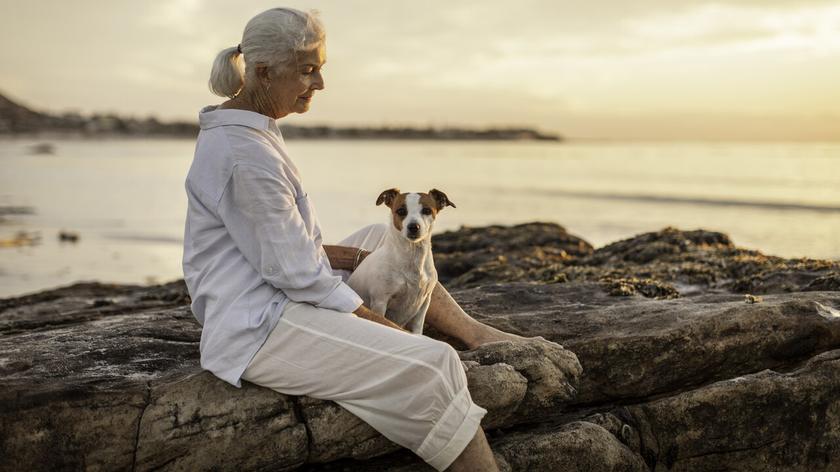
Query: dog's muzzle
413	229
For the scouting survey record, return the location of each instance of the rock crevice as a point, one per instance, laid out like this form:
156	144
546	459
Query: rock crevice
146	402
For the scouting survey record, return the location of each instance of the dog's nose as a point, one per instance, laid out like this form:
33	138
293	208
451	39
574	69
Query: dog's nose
413	227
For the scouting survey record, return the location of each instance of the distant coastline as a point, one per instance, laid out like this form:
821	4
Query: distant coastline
17	120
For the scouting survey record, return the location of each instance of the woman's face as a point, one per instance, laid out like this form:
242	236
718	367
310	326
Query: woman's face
292	90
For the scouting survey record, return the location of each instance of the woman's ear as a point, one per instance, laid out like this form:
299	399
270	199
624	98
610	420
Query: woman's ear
262	71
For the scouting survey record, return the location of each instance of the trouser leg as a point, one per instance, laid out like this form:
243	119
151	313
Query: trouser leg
368	238
412	389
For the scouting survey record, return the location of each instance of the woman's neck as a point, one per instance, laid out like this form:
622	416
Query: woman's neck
255	102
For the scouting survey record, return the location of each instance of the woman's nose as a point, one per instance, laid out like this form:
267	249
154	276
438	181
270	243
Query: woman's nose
318	83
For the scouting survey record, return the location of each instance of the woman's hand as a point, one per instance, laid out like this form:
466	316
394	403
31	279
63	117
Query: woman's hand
362	256
345	258
368	314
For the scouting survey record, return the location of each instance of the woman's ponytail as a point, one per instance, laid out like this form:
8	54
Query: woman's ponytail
227	76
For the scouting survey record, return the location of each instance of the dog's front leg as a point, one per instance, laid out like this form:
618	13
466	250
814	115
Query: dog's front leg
379	304
415	324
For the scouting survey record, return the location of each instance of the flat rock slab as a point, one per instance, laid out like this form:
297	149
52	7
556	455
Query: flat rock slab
767	421
116	385
634	347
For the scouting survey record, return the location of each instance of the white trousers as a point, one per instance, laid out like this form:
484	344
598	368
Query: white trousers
410	388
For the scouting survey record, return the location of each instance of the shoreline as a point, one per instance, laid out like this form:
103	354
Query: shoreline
722	253
580	141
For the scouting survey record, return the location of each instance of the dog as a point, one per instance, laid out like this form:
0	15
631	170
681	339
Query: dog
397	279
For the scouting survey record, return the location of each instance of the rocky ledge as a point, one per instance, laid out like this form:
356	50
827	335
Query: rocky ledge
682	352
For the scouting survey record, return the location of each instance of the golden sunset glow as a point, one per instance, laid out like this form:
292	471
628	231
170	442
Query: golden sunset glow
605	69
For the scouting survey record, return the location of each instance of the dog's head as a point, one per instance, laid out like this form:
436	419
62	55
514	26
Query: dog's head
412	214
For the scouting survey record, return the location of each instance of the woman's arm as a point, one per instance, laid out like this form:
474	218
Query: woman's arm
261	215
368	314
344	257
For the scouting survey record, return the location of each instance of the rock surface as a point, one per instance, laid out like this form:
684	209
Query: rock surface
668	262
109	378
636	347
667	366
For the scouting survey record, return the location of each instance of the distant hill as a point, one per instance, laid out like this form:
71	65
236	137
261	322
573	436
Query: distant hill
16	119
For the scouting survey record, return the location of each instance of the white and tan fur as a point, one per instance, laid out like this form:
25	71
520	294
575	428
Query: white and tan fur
397	279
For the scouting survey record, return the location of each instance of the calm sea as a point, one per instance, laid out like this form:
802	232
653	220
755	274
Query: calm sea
126	200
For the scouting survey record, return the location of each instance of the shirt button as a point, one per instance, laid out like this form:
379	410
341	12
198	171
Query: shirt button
269	270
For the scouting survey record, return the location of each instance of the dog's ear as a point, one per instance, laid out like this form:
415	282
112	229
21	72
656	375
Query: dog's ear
387	196
441	199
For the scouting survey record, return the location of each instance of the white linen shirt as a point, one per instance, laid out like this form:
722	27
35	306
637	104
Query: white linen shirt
252	240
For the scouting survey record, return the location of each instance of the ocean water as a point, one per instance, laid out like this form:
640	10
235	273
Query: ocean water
126	199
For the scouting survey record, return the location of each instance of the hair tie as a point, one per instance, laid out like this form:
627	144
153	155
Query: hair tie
239	48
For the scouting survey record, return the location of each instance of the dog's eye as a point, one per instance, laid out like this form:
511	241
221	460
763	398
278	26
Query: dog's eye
402	211
427	211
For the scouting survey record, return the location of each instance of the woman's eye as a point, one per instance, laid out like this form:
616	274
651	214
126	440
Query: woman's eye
427	211
402	212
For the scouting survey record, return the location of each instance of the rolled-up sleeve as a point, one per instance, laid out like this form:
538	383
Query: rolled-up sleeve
259	209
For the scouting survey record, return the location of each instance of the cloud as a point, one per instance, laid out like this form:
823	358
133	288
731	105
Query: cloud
468	62
809	28
177	15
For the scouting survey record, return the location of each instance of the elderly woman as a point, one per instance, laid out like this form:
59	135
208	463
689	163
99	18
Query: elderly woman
272	299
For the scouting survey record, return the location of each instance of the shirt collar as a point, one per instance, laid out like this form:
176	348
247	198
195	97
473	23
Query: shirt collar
211	116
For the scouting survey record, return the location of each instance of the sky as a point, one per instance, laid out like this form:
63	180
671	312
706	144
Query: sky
623	70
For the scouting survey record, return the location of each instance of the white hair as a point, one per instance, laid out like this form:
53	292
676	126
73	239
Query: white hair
273	37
